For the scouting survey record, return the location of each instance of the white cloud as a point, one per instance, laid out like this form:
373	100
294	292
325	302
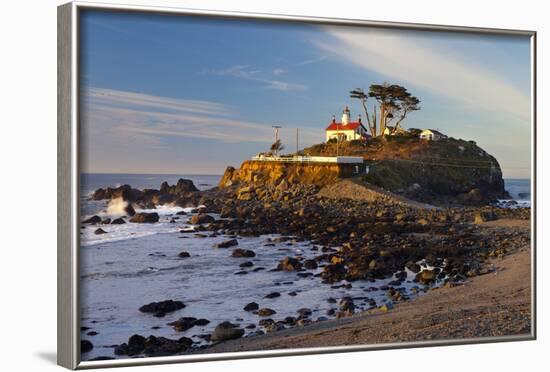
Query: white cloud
412	59
312	60
268	81
145	118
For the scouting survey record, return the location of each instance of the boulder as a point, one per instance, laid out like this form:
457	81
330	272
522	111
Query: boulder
310	264
160	309
86	346
201	218
118	221
130	211
289	264
243	253
184	254
183	324
93	219
426	276
251	307
100	231
266	312
272	295
227	243
145	218
226	331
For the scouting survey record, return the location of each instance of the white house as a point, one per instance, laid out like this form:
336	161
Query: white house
431	135
346	130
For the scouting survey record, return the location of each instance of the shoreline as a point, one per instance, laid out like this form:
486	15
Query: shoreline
495	304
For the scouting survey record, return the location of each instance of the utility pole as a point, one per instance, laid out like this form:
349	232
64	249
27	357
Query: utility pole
276	127
297	134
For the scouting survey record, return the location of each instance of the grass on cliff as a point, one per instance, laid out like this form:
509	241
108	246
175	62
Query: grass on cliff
448	166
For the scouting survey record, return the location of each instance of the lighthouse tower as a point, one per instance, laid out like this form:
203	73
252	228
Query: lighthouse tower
345	116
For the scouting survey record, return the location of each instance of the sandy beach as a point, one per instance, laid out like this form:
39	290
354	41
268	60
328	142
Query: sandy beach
495	304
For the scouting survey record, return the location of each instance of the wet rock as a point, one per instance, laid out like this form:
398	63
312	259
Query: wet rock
92	220
181	213
289	264
100	231
304	312
251	307
293	293
130	211
347	305
201	219
266	312
153	346
160	309
334	272
226	331
106	221
86	346
227	243
426	276
310	264
201	322
145	218
273	295
92	333
247	264
413	266
243	253
183	324
118	221
184	254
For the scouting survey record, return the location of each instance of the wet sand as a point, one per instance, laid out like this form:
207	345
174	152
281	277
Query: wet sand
495	304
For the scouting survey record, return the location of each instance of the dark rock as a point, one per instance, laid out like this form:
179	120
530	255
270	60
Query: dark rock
145	218
413	266
227	243
183	324
251	307
227	331
310	264
347	305
273	295
86	346
184	254
100	231
93	219
181	213
334	272
161	308
243	253
247	264
118	221
130	211
106	221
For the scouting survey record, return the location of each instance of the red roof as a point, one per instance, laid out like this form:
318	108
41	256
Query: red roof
339	126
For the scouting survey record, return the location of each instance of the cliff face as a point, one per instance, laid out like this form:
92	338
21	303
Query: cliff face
273	173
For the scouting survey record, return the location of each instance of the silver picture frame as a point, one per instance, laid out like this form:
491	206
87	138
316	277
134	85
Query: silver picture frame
68	216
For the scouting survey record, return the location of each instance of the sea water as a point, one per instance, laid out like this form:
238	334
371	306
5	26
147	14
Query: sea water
520	191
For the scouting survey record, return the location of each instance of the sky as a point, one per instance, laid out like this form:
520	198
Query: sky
192	95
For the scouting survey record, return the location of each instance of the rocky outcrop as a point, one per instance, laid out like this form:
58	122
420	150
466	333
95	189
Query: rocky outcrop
183	193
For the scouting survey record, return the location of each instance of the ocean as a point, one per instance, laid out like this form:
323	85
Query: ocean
135	264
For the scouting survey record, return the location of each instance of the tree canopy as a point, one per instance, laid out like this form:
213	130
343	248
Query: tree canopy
394	103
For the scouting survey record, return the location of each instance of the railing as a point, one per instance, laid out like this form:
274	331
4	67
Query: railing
310	159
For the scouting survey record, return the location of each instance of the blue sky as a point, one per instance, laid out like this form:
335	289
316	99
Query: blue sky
190	95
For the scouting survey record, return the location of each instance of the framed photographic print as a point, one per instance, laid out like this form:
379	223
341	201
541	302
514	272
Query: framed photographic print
236	185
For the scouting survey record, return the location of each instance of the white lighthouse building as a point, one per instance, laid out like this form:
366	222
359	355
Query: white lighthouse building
346	130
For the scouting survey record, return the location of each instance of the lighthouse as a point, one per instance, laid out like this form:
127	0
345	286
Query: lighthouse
345	116
346	130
